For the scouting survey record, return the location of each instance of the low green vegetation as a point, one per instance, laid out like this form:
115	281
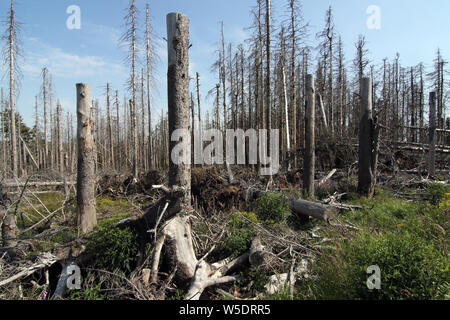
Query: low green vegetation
241	233
92	293
112	248
272	208
408	241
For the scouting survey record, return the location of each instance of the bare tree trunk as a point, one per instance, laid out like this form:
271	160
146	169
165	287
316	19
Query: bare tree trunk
178	96
2	123
86	211
12	93
286	112
308	176
148	52
268	71
9	230
142	153
432	136
243	115
60	140
44	93
198	99
366	176
108	114
52	126
224	83
118	159
293	89
177	234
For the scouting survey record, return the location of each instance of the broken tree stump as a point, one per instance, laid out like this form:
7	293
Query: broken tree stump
368	140
313	209
86	204
178	100
308	175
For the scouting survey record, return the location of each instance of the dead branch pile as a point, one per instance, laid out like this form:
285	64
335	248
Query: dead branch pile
212	192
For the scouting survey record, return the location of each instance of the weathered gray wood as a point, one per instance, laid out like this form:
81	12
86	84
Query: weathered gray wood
178	96
86	211
12	46
366	177
308	175
313	209
432	136
7	185
60	139
43	261
322	110
9	228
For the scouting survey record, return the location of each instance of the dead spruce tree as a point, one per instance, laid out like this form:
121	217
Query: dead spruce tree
432	136
150	57
11	52
172	212
308	175
368	142
86	212
130	39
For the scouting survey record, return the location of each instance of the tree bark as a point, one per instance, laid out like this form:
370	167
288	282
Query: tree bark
313	209
149	108
9	230
12	93
178	96
366	175
86	211
60	141
308	176
432	136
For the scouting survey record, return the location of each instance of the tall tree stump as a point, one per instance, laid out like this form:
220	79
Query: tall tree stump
310	153
86	211
178	99
432	136
368	142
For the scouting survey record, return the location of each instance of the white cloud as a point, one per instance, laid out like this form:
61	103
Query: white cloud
67	65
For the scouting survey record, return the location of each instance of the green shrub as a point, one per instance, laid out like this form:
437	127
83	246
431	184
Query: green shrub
93	293
241	235
436	192
272	208
411	268
113	248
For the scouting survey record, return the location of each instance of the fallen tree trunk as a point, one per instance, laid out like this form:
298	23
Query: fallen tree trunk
34	184
313	209
45	260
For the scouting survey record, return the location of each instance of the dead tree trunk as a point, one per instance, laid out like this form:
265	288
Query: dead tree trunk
432	136
368	142
12	87
308	176
313	209
178	96
176	233
60	140
86	212
9	230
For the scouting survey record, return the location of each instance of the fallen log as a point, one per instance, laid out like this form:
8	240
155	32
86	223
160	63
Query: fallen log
328	177
35	184
44	260
313	209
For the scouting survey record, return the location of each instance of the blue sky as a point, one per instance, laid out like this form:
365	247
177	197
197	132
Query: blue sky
414	28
